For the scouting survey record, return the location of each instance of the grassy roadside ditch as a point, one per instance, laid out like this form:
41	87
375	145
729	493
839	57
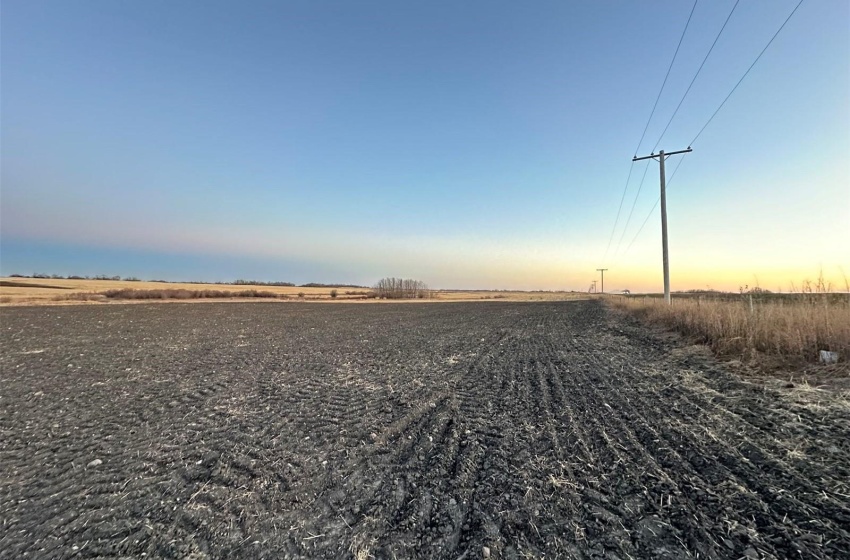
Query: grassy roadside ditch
791	330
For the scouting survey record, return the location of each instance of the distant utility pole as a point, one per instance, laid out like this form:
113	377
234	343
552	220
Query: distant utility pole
602	270
661	157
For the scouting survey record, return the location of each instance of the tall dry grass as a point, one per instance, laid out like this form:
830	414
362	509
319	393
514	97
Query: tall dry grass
794	328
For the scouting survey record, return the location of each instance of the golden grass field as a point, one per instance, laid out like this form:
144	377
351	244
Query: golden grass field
44	291
791	329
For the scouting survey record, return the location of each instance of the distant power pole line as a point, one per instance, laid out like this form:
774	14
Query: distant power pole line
661	157
602	270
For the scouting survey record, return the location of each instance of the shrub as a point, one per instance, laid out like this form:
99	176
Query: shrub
334	293
80	296
127	293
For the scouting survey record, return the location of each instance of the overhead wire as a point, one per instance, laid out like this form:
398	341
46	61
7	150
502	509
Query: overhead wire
643	135
654	206
664	83
711	118
667	126
634	203
619	209
747	72
673	116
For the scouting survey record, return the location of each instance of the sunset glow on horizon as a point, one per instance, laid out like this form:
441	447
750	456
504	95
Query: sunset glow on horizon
482	146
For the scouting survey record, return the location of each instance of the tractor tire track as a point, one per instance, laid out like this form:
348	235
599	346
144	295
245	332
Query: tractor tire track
400	431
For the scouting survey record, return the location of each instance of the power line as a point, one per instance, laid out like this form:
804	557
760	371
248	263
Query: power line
602	270
747	72
654	206
634	203
673	116
651	114
664	83
649	215
617	219
662	175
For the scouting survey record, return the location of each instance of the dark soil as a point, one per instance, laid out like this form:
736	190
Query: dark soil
447	431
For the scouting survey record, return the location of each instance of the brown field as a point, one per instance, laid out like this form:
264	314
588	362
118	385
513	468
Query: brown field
49	291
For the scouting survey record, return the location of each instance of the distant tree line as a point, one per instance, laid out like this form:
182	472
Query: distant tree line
401	288
74	277
318	285
239	282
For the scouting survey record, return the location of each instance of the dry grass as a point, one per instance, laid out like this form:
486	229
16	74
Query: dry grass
129	293
80	296
37	291
504	295
793	329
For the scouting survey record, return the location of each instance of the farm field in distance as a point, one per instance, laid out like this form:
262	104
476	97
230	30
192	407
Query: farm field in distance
50	291
556	429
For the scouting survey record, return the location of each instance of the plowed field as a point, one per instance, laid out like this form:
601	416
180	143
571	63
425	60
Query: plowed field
446	431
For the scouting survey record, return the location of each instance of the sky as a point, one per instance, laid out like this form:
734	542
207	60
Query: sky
480	144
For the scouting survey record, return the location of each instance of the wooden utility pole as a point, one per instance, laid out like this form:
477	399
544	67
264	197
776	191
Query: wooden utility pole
602	270
661	157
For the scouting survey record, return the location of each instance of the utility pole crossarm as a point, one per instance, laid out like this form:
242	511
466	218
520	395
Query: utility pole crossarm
653	156
661	156
602	270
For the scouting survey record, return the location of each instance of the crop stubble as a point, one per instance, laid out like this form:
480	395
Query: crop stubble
399	431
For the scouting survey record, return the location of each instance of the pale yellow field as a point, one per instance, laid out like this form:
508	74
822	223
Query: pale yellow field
61	292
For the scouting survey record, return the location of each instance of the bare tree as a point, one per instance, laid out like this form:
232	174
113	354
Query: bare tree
402	288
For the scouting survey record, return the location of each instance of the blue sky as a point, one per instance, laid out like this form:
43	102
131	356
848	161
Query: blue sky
474	144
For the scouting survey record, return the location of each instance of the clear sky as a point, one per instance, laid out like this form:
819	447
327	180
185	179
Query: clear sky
478	144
